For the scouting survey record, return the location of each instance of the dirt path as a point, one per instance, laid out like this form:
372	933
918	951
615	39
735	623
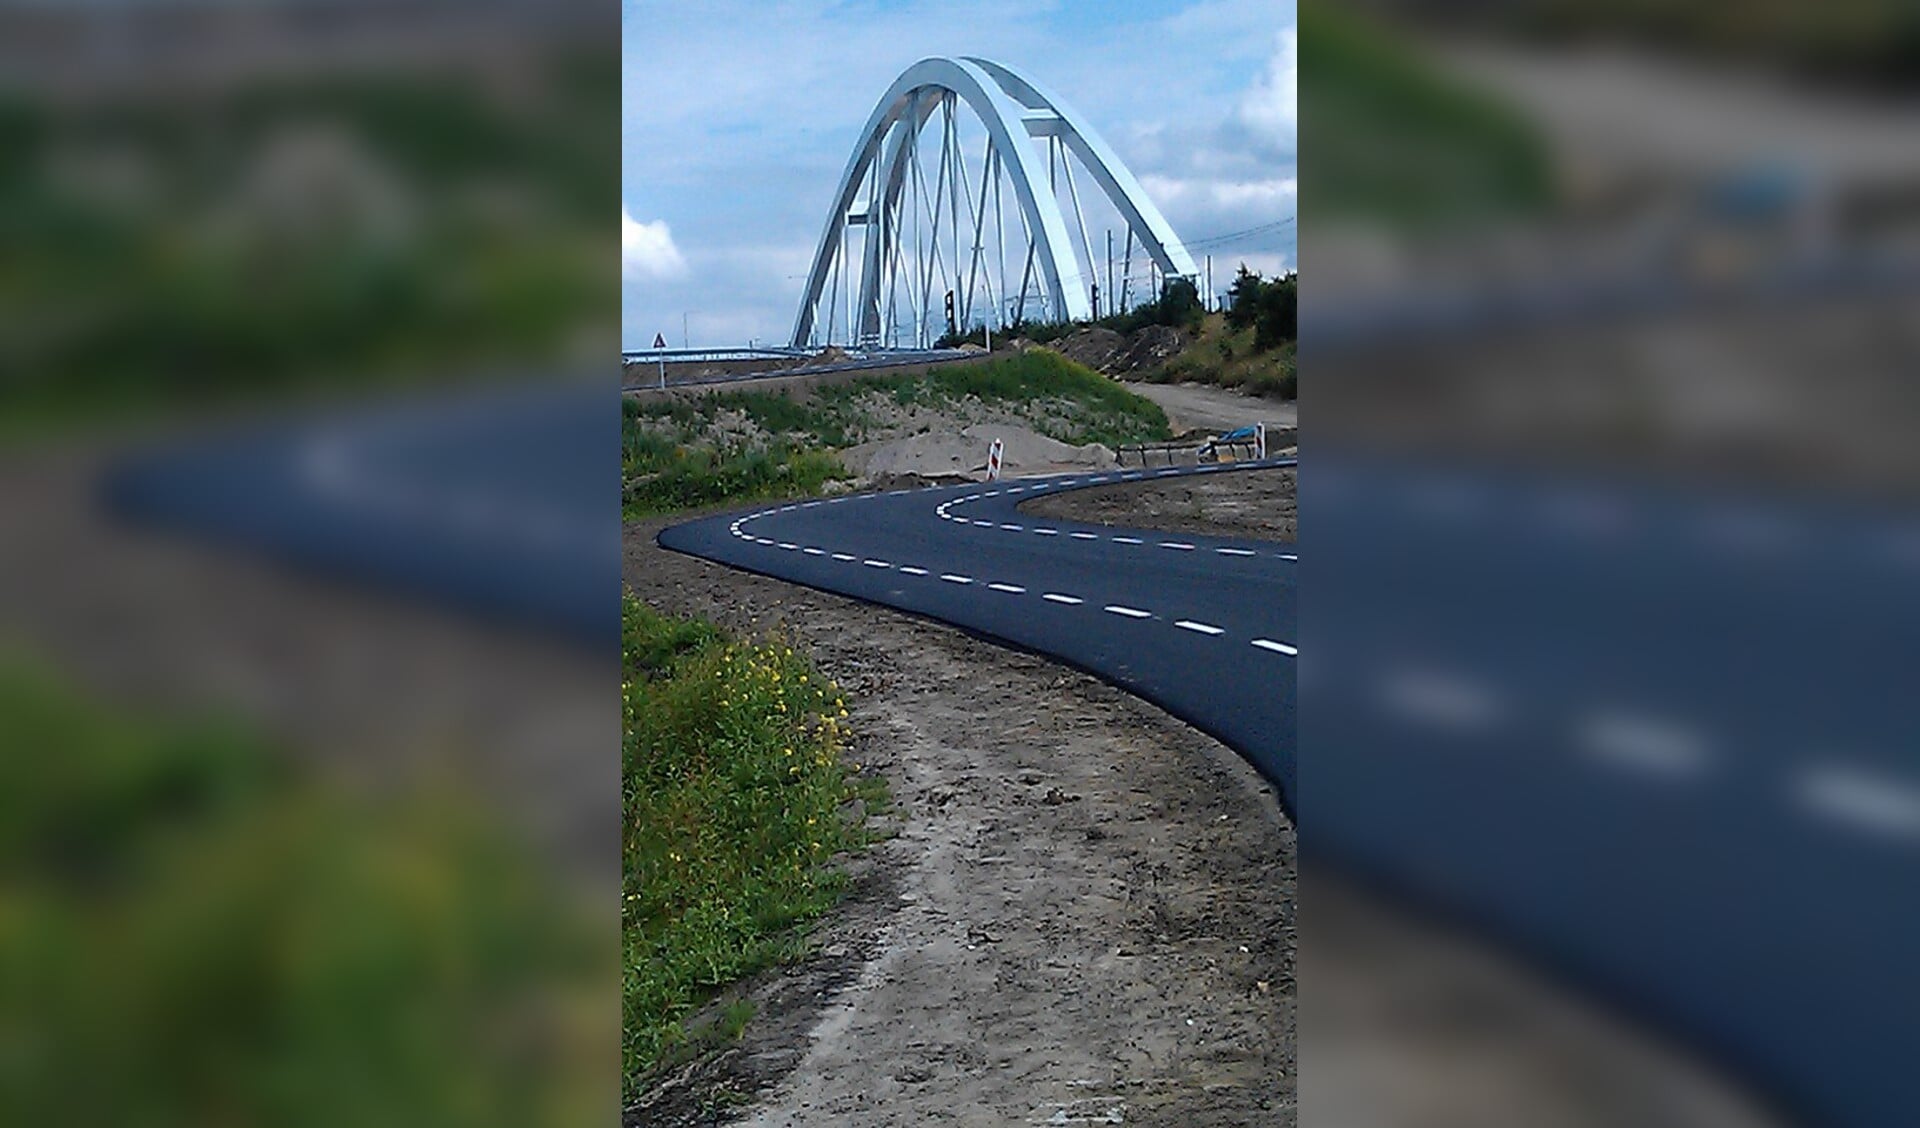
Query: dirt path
1203	407
373	682
1087	912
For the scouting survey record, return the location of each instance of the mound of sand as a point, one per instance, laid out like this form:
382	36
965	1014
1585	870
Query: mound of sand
963	454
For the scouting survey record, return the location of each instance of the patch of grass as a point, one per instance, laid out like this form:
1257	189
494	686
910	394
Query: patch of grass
1229	357
191	284
1398	140
671	463
690	477
195	934
735	804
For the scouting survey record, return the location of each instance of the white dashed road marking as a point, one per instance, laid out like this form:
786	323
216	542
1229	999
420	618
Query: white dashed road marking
841	556
912	571
1179	545
1014	589
876	563
812	551
1056	597
1644	744
1128	540
1129	612
1083	536
1201	628
953	579
1276	647
1234	551
1868	802
1440	699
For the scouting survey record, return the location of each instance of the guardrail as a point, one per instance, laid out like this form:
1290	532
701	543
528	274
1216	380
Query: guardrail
684	356
855	362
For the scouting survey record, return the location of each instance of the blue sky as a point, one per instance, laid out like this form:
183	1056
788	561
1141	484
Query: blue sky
739	116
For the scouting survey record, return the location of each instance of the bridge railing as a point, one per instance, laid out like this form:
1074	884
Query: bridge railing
683	356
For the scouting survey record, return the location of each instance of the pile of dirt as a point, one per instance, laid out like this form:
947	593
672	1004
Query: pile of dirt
950	455
1096	347
1151	347
1115	354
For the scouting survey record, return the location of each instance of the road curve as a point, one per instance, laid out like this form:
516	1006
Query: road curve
1201	626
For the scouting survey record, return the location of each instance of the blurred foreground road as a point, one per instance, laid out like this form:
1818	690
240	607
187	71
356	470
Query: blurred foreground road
1660	742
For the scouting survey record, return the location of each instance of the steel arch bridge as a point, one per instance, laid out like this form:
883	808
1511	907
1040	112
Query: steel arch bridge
908	251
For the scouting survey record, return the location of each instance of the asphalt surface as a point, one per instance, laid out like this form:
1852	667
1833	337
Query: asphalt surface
1662	742
1201	626
501	501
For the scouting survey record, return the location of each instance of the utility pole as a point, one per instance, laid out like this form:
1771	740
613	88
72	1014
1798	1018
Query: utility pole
1209	282
683	330
1109	266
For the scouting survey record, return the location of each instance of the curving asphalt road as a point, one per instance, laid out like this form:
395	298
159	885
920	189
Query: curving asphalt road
1201	626
1662	741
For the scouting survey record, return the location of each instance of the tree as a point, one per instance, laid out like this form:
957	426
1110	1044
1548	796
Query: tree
1278	316
1244	298
1180	304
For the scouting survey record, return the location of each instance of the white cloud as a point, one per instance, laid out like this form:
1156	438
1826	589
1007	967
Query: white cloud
1271	107
647	250
1221	194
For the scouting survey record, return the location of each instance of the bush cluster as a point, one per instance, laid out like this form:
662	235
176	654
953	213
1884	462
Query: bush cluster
734	805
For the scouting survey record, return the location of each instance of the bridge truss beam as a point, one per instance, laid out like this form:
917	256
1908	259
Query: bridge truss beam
923	237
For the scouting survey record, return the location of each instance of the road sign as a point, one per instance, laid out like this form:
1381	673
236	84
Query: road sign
659	341
993	460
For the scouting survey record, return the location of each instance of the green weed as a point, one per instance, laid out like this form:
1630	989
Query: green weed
735	804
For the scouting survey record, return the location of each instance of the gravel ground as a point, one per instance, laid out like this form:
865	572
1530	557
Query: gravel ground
1253	503
1087	911
1203	407
378	684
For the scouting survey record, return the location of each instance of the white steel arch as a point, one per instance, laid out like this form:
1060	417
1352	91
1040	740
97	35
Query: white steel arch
887	165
